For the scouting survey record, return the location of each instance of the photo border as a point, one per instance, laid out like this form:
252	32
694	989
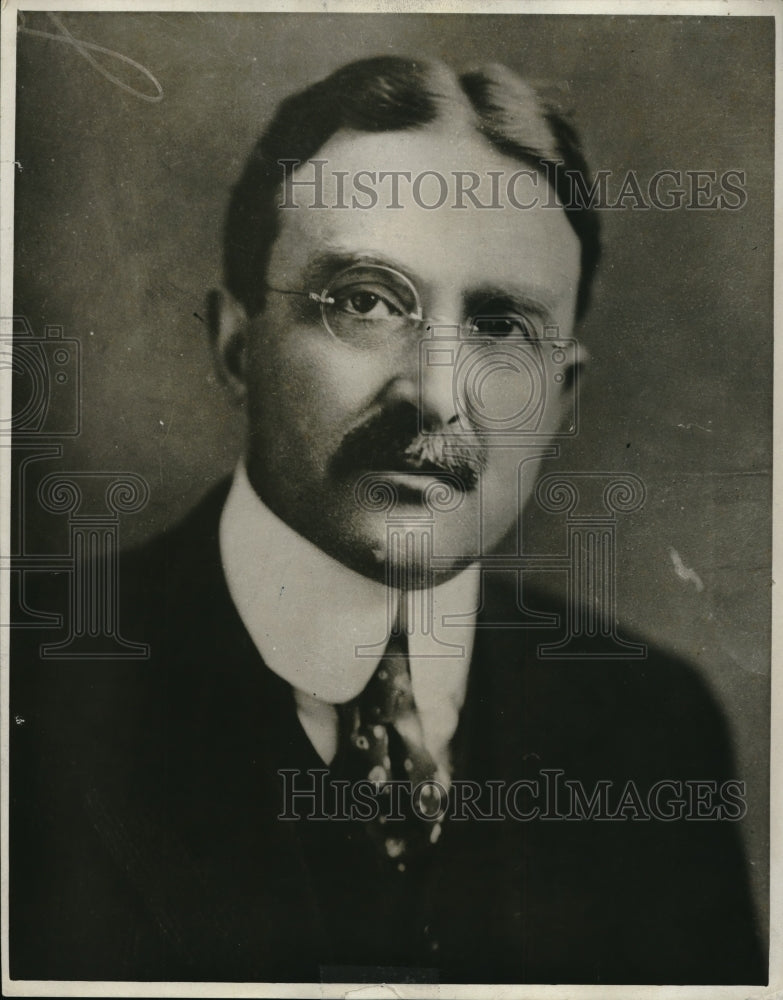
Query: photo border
624	8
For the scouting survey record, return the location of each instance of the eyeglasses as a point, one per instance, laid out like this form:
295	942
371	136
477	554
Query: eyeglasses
367	306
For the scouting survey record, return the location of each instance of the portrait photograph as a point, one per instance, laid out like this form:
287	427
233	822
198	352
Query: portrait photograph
387	499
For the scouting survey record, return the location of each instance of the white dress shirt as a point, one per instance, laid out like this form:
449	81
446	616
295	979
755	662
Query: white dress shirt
309	615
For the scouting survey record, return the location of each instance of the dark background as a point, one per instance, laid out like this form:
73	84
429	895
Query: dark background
119	208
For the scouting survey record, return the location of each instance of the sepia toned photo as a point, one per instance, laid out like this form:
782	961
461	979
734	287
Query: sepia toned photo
387	495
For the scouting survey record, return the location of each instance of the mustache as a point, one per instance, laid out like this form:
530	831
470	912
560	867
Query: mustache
393	441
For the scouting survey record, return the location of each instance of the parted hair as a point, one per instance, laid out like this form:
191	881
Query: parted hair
386	94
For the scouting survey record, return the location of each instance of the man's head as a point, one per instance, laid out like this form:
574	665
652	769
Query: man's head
393	347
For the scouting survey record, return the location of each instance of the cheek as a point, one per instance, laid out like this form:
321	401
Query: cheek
509	391
303	386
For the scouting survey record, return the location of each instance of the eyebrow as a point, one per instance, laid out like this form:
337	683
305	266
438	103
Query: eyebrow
529	298
324	266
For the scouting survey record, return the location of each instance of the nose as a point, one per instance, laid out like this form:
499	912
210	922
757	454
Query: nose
437	399
425	379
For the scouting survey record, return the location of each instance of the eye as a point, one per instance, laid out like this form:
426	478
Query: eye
367	303
368	294
498	325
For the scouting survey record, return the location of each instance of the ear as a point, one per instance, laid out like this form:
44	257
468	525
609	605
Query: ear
577	357
228	329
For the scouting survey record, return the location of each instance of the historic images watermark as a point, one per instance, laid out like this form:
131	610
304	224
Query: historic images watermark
548	795
312	184
47	411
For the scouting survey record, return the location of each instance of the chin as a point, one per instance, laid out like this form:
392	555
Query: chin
401	551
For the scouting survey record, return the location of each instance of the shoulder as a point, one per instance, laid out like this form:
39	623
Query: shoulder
101	669
611	696
182	553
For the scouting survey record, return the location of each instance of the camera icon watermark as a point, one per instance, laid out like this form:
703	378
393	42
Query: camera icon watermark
502	386
46	382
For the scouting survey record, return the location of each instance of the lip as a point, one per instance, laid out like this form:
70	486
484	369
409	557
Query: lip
413	480
415	483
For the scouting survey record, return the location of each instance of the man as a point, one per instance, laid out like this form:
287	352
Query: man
341	760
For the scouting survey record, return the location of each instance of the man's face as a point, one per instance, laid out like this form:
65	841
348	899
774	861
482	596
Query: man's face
330	416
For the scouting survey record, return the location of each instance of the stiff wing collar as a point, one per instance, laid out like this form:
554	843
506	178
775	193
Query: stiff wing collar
307	613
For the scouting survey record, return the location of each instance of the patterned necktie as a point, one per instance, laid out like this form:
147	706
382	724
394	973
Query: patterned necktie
381	741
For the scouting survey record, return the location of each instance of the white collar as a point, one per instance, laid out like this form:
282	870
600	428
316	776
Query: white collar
306	612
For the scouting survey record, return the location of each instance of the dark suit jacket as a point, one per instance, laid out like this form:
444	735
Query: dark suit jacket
145	796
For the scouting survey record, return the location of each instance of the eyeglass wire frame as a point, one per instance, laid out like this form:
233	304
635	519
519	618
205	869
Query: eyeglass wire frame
325	299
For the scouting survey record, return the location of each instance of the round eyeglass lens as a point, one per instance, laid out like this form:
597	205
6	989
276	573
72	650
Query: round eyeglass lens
367	305
497	320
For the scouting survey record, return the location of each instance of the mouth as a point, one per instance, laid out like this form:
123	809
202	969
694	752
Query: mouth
409	465
400	453
419	480
411	479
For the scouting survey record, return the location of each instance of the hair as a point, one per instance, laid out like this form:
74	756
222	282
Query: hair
390	94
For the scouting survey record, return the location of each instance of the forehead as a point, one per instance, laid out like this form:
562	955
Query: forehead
387	181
